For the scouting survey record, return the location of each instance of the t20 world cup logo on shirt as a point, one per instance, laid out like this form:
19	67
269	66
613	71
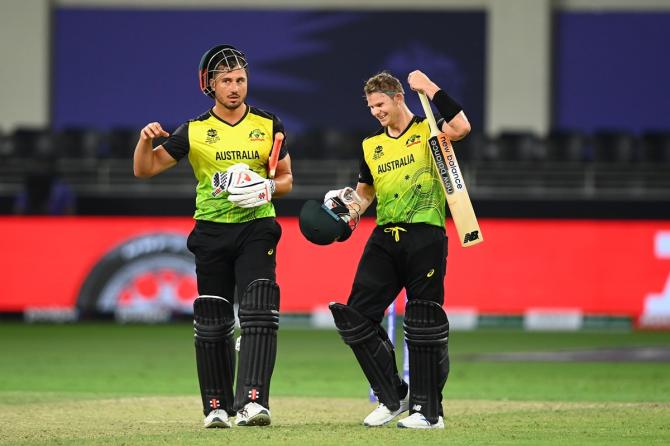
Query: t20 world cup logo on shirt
379	152
212	136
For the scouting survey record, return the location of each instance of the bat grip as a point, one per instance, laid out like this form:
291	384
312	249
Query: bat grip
274	155
428	112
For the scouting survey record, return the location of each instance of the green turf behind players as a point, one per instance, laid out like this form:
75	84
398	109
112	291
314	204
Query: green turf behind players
111	384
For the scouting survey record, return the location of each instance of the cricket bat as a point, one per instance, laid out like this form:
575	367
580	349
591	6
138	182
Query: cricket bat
274	155
452	181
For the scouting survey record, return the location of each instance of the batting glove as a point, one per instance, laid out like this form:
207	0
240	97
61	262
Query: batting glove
346	196
252	194
236	175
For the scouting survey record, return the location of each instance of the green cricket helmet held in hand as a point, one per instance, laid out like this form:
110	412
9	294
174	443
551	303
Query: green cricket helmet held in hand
325	223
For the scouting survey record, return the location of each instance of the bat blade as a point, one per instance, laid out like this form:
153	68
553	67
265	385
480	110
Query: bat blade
452	181
458	200
274	155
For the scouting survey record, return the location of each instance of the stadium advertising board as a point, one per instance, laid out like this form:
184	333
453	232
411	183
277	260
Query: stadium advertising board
139	268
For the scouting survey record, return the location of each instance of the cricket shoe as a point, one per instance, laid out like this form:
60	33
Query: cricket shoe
382	414
418	421
253	414
217	418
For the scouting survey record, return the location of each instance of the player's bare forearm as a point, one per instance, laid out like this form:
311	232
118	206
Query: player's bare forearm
366	192
143	158
148	161
283	177
458	128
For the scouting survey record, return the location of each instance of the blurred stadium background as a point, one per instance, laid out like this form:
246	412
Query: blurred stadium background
568	163
568	167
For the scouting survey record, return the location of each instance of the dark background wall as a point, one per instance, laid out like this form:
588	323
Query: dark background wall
611	71
307	67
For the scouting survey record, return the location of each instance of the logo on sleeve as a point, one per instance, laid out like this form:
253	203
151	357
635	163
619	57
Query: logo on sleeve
212	136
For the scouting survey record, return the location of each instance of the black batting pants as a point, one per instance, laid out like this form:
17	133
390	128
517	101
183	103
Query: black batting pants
400	255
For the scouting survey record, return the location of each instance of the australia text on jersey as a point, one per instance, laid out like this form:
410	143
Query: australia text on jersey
395	164
237	154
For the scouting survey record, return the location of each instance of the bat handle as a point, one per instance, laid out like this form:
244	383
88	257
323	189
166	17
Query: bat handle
274	155
428	112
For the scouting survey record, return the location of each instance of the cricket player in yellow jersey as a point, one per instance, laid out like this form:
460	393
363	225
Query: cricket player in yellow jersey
235	236
407	249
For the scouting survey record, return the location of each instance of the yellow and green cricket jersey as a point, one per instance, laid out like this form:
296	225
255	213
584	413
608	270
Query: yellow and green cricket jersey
213	145
405	179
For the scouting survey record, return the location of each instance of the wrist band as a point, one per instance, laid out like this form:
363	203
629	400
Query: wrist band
447	107
273	186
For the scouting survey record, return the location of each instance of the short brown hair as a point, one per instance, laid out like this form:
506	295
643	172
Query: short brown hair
383	82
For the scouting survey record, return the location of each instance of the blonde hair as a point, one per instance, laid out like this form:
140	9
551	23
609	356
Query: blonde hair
383	82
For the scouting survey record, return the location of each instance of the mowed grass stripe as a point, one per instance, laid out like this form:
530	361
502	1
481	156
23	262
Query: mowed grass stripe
176	420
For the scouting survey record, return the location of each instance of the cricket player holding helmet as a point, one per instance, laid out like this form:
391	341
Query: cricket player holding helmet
407	249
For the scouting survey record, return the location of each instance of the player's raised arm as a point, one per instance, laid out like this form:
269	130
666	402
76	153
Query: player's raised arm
456	125
148	161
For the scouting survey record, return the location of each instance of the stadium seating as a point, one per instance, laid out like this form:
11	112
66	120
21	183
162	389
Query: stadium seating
655	147
611	146
78	142
121	142
566	146
28	142
520	146
512	165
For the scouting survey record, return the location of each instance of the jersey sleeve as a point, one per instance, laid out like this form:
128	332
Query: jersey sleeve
278	126
177	145
364	174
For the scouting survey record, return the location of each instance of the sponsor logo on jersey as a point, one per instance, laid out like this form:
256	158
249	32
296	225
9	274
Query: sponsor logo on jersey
256	135
212	136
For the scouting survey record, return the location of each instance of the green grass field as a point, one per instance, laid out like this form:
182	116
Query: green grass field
136	385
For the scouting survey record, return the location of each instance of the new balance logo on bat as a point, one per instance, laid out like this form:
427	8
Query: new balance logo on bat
471	236
441	165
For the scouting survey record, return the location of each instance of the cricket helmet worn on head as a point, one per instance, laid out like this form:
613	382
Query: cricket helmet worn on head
323	225
218	59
